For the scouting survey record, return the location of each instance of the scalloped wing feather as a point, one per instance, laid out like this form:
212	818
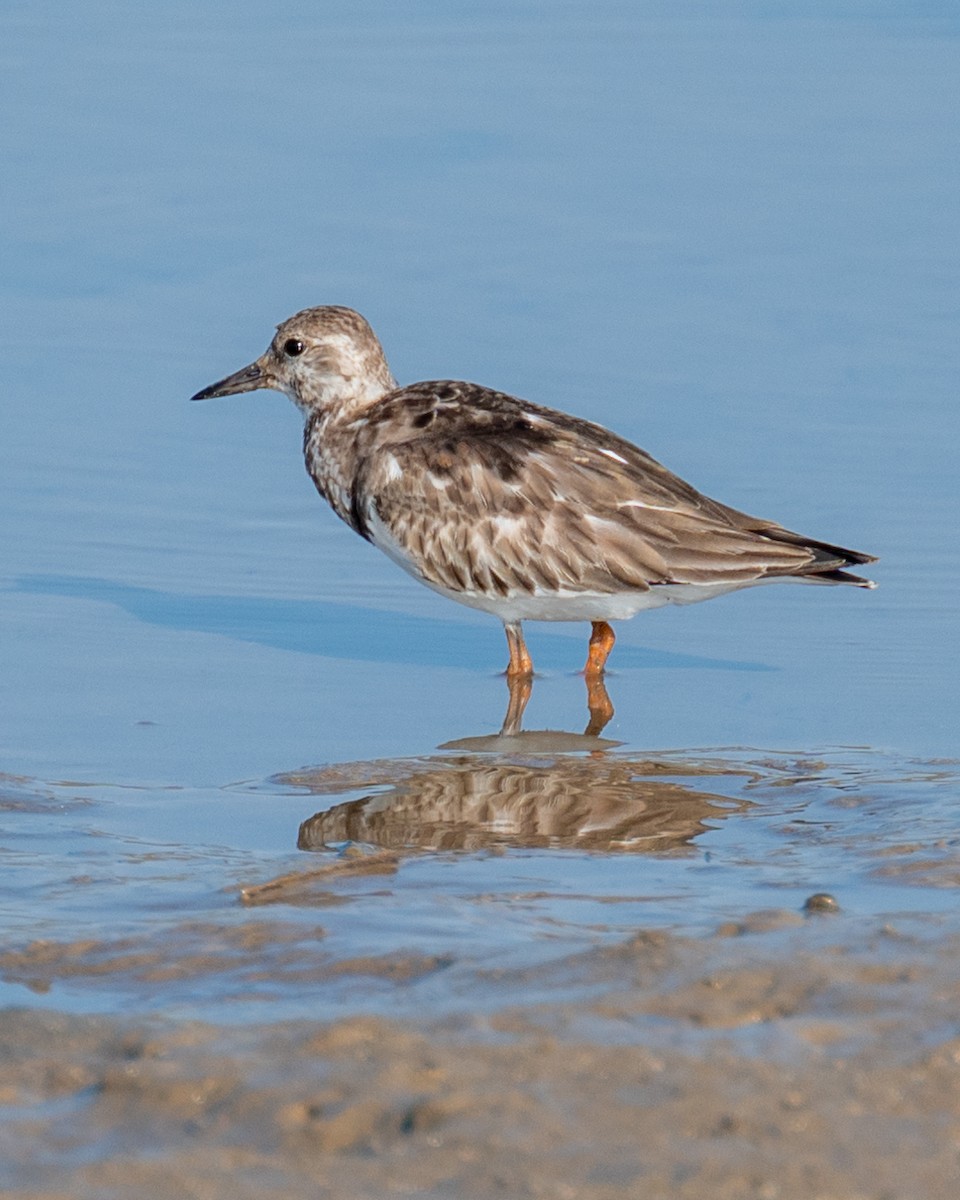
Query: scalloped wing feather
500	496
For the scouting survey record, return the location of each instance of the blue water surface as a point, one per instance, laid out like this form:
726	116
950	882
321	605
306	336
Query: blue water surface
730	231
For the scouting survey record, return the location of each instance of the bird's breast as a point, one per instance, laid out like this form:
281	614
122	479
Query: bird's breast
331	464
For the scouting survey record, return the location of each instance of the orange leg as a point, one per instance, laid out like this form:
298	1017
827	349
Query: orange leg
521	664
601	643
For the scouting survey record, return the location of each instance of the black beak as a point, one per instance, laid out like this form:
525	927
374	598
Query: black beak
246	380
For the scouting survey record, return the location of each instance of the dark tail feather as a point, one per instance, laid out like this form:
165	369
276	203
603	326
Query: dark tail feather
839	577
829	561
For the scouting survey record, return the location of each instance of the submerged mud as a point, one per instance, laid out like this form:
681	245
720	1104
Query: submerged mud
777	1064
524	972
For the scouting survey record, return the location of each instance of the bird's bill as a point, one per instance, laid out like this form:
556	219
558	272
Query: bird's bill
247	379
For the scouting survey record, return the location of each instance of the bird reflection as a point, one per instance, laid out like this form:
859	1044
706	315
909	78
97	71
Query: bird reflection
477	801
534	788
547	789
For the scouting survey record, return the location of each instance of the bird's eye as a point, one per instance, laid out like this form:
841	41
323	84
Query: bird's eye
293	347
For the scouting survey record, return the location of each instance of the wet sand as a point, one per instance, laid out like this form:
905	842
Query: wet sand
784	1058
783	1053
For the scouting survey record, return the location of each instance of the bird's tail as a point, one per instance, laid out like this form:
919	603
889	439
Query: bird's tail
829	563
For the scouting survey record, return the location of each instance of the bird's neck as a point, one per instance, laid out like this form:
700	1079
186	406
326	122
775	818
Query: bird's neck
341	401
336	439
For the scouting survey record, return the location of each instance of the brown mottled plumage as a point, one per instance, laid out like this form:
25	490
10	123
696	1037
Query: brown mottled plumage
512	508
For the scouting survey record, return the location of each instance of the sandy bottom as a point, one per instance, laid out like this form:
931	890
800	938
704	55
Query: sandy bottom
787	1057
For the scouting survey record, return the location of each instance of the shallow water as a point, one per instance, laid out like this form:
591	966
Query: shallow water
249	773
426	878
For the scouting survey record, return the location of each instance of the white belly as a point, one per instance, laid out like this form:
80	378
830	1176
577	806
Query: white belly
586	606
561	605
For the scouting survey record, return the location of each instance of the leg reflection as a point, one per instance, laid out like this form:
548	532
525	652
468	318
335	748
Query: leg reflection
599	706
521	687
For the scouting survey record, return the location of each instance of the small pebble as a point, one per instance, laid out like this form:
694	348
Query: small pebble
820	902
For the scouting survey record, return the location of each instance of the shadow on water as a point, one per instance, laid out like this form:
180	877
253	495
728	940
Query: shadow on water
340	630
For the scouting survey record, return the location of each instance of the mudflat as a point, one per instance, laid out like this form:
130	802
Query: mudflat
784	1057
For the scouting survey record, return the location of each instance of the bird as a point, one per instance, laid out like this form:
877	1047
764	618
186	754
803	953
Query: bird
510	507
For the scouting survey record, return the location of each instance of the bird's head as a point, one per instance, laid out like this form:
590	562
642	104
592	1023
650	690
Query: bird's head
324	359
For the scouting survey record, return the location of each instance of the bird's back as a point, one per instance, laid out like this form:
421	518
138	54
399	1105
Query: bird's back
478	490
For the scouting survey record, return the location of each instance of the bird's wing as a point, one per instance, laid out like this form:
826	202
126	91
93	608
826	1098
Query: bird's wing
527	500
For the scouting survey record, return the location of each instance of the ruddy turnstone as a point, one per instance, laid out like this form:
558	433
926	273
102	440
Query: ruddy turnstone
509	507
